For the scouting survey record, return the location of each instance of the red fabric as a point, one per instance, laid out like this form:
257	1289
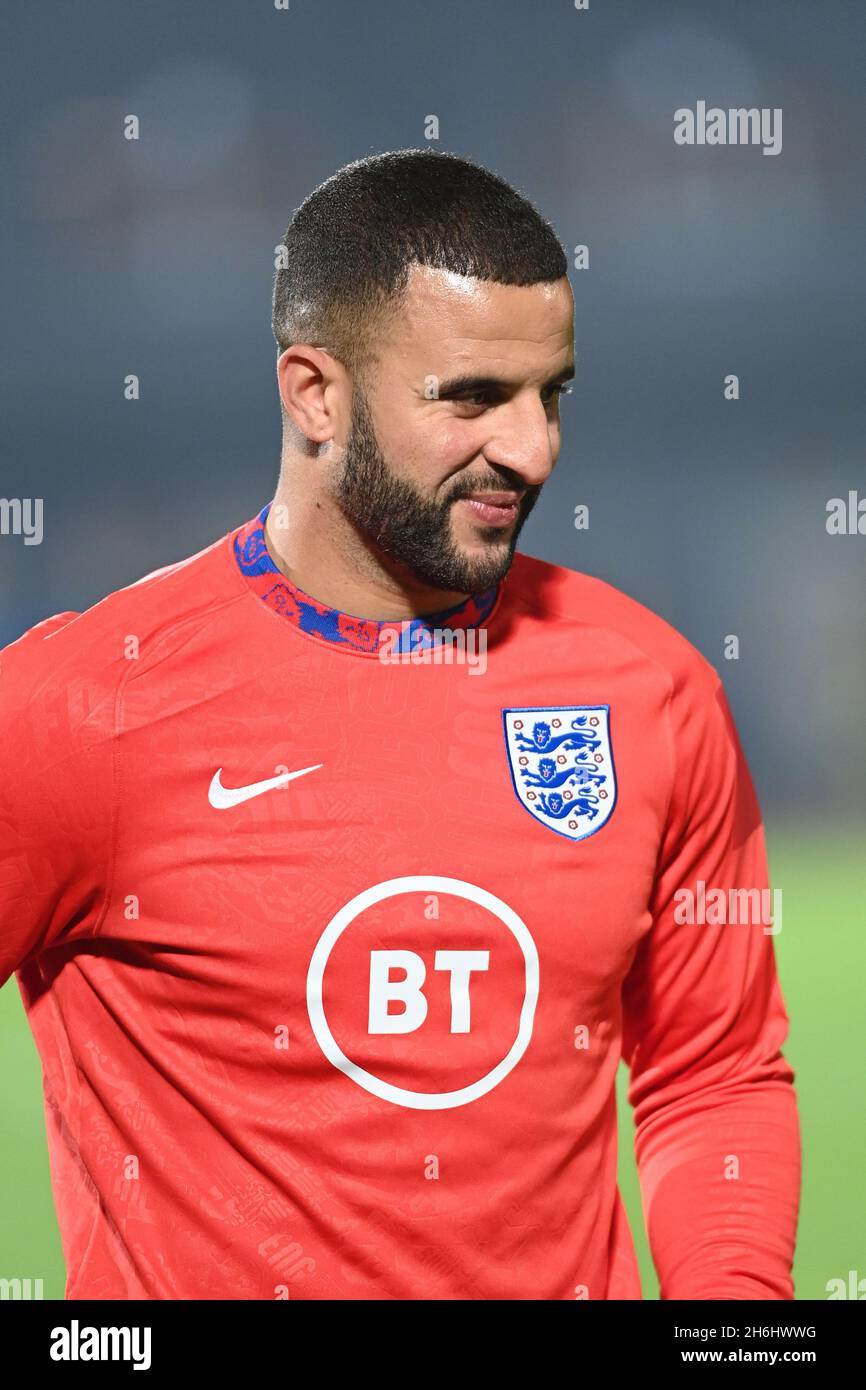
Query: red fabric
165	950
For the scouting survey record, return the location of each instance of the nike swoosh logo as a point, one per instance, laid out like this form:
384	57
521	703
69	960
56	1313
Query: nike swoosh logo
222	797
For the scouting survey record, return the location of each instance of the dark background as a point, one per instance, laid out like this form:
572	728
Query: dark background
155	257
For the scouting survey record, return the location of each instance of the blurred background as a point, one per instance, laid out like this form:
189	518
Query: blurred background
154	257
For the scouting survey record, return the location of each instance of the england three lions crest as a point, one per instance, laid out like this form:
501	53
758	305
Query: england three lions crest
561	764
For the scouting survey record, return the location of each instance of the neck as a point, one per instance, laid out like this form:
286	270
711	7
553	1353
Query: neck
319	550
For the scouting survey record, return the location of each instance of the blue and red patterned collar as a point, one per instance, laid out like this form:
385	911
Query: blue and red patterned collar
364	634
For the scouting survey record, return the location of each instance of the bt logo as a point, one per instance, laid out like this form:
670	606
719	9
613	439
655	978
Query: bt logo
412	991
409	991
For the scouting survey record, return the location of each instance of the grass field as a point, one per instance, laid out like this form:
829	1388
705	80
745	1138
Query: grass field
821	952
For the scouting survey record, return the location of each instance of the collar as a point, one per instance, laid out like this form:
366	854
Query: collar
329	624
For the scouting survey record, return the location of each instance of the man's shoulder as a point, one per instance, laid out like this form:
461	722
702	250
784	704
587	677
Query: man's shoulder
76	660
556	594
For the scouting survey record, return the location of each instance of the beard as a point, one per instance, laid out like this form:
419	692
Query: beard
416	530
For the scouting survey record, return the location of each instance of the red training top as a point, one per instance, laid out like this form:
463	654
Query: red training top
331	934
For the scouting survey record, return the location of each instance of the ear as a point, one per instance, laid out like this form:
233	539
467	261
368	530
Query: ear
315	392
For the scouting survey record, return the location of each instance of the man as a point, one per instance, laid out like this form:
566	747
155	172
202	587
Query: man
330	934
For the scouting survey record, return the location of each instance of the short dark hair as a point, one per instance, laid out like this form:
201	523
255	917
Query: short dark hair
350	244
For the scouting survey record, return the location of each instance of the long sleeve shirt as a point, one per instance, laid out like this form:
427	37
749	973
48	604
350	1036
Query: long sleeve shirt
332	933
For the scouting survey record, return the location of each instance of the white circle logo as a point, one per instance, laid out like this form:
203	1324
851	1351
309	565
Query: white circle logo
392	888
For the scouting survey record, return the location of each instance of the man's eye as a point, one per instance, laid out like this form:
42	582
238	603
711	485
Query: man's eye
482	398
563	390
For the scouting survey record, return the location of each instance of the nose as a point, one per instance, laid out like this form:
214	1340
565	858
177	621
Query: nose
525	440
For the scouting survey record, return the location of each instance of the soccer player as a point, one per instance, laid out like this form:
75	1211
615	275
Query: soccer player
342	861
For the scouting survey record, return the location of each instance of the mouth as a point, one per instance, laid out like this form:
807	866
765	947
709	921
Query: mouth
493	508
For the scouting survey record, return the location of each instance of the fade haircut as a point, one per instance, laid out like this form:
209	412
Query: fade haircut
350	246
